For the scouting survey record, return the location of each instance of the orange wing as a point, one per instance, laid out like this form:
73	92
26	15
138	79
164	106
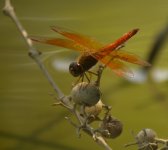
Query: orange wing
118	67
75	41
60	42
114	61
128	57
84	40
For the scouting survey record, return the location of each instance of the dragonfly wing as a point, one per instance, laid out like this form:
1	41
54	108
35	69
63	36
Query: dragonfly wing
60	42
128	57
117	66
86	41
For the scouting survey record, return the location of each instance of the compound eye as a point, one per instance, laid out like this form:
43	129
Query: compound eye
75	69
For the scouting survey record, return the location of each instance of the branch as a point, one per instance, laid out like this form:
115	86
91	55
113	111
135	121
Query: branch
103	143
163	141
35	55
9	11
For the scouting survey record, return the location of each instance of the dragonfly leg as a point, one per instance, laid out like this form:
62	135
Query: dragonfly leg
81	77
88	79
91	72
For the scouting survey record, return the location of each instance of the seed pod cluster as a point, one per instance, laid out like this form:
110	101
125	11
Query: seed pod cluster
86	93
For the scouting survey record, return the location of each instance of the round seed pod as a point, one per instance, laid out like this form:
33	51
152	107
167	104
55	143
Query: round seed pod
94	110
85	93
111	127
147	136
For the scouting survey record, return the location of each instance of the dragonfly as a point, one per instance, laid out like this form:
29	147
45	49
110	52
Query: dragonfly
92	51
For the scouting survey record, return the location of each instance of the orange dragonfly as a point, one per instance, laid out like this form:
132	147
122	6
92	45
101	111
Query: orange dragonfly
93	51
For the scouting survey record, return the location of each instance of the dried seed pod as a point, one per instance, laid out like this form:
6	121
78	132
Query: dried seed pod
111	127
146	135
94	110
146	138
85	93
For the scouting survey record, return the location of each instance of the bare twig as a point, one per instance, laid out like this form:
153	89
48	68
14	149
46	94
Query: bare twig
162	141
99	74
130	144
103	143
9	11
64	100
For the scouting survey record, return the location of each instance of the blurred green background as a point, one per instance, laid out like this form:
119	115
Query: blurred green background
28	121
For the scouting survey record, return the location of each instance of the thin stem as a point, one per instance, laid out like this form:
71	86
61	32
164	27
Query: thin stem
103	143
130	144
163	141
34	54
9	11
99	75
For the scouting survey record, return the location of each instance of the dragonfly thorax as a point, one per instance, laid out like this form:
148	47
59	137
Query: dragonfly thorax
75	69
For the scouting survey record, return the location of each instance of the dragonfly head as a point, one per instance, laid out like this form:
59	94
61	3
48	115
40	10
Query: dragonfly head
75	69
